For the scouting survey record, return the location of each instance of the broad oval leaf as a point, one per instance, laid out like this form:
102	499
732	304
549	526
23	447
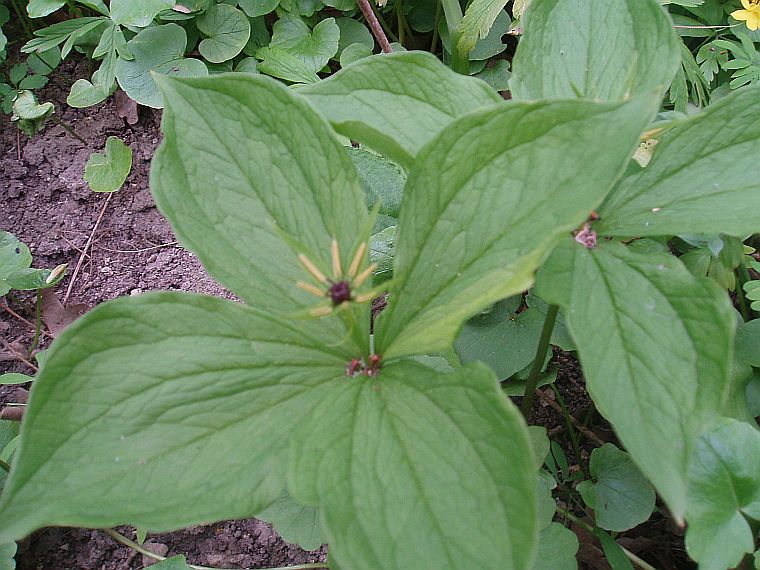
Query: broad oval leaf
266	171
620	495
227	30
604	50
385	465
702	178
655	344
160	411
395	103
487	198
137	13
724	486
160	50
107	172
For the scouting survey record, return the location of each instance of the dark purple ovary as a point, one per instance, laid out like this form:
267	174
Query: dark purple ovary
340	292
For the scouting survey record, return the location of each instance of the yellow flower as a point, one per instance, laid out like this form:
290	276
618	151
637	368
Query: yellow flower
750	15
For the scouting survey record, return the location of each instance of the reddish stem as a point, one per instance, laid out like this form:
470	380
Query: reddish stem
374	25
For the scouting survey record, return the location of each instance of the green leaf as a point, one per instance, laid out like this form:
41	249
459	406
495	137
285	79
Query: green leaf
33	82
14	256
487	47
40	8
385	481
137	13
14	378
227	30
85	94
613	552
161	50
107	172
43	63
7	554
382	249
353	32
173	563
503	340
295	523
701	179
395	103
354	53
619	494
557	546
479	215
724	486
382	180
604	50
255	8
296	53
183	393
8	435
748	342
478	20
253	135
497	76
654	342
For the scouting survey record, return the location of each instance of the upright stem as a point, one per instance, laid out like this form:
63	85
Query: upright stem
24	19
69	130
374	25
399	19
538	363
571	431
38	323
453	12
434	41
743	277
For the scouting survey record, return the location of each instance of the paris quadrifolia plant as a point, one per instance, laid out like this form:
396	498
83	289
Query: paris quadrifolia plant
173	409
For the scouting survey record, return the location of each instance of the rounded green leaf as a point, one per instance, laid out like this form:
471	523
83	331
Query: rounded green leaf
85	94
353	53
748	342
422	470
14	257
724	486
395	103
137	13
40	8
353	32
162	411
227	31
604	50
620	495
557	547
255	8
160	50
107	172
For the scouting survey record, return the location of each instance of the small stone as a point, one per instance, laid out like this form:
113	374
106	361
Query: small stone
135	292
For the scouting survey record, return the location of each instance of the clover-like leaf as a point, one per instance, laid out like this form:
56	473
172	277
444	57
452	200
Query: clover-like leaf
159	49
724	487
107	172
619	494
476	224
395	103
202	388
137	13
654	342
605	50
385	479
16	271
85	94
701	179
29	115
227	30
296	53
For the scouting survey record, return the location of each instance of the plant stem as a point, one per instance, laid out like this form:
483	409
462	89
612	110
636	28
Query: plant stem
38	323
743	277
538	363
453	13
4	466
588	528
69	130
374	25
399	14
383	23
24	19
118	537
434	41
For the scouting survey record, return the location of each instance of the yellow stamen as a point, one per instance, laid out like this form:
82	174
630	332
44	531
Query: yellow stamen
356	262
337	271
362	277
321	311
366	297
307	263
311	288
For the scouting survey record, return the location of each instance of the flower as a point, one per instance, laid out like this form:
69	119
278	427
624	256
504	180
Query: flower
341	288
750	15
